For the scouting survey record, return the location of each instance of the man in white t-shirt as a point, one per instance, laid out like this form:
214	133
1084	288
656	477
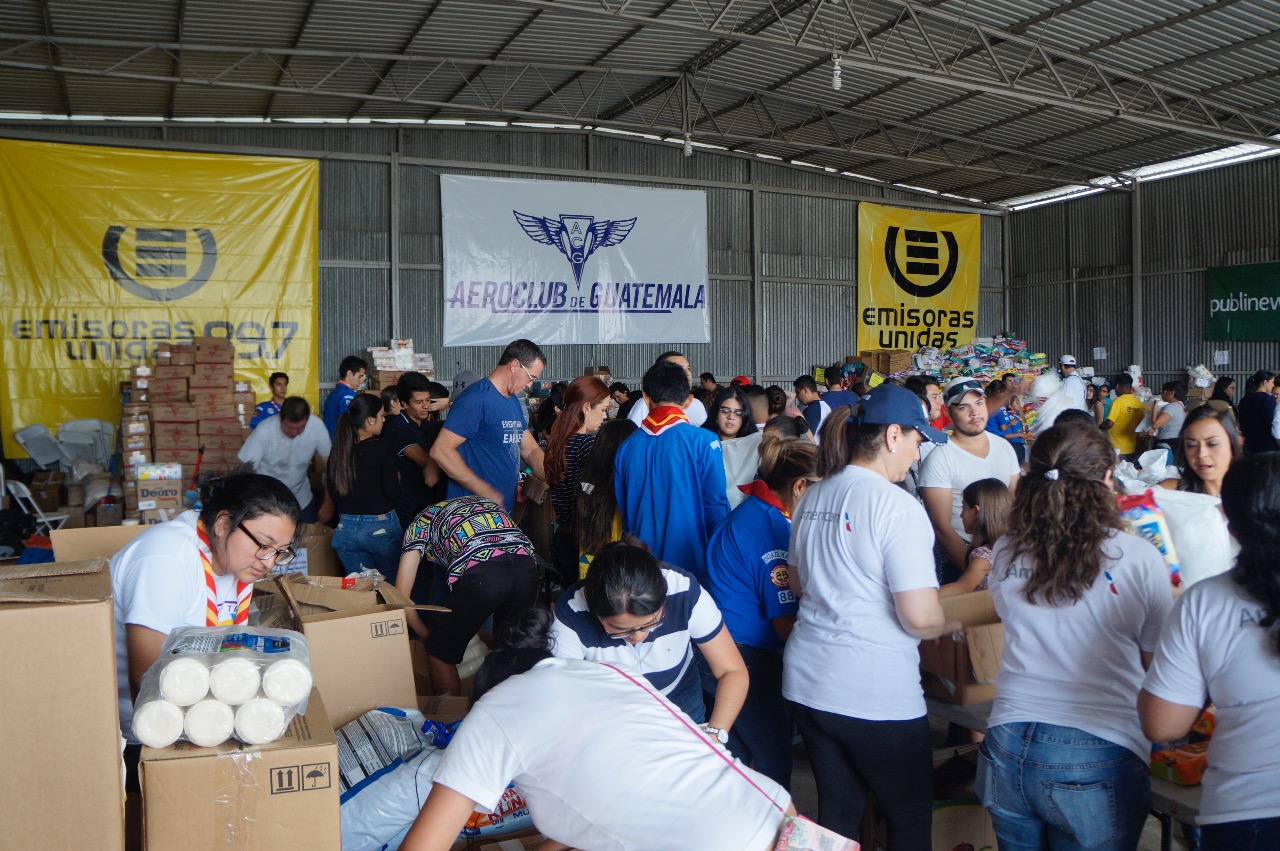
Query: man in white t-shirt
973	453
285	446
1072	383
694	410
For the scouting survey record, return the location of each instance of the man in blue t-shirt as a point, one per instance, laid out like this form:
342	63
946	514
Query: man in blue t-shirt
351	371
836	395
486	434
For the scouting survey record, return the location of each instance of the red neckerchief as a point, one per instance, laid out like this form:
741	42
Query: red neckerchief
662	418
244	590
761	491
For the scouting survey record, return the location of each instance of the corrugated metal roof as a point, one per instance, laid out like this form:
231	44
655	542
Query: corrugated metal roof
985	98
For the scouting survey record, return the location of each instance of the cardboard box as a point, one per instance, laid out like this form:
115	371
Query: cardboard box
221	443
46	489
75	494
358	640
165	443
161	493
75	516
164	389
221	428
62	730
176	431
277	796
223	459
137	426
131	442
316	552
215	406
81	544
108	514
181	357
170	370
216	356
212	373
964	672
443	707
173	412
520	841
152	516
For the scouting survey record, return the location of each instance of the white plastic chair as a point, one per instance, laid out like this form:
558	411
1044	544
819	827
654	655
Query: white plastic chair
47	522
42	446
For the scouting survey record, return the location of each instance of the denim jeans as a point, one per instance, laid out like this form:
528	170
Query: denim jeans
1262	834
688	695
369	540
1061	788
762	735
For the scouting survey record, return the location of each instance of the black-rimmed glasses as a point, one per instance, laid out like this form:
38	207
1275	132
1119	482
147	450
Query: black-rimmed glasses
283	555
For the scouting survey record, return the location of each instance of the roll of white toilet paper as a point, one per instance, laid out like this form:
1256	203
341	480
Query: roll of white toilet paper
259	721
157	723
287	682
184	680
235	680
209	723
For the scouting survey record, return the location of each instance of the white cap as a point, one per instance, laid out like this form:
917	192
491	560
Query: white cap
1067	360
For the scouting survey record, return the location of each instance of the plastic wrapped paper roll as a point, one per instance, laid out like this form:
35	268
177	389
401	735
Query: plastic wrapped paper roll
287	682
235	680
157	723
184	680
260	721
210	722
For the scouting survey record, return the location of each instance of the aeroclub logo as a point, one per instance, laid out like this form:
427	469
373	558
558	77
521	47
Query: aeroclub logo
576	237
160	260
922	260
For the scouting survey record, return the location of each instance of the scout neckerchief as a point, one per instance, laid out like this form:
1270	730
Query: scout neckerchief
662	418
244	590
761	491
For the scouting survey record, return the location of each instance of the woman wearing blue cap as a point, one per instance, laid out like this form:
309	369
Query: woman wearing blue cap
862	559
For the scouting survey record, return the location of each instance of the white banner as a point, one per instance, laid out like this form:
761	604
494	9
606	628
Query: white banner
561	262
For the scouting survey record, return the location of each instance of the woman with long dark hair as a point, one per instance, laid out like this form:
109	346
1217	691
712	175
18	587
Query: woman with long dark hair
572	436
862	565
1257	412
1065	761
1207	447
597	518
572	736
747	576
633	610
1222	645
364	485
1224	394
549	410
730	415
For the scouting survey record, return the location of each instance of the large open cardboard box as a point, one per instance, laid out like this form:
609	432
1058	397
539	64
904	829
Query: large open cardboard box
268	798
78	544
60	708
964	672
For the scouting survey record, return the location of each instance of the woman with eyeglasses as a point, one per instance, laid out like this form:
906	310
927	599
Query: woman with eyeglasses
636	613
196	570
747	576
732	422
602	760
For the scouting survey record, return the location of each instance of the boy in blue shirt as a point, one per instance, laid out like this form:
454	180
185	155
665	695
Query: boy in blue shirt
352	371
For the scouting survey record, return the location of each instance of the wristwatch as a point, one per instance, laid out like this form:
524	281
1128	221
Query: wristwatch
721	736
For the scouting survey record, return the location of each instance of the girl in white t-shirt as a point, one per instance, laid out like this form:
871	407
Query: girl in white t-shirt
603	760
1064	763
1222	645
862	557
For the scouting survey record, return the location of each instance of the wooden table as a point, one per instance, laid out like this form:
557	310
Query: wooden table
1170	802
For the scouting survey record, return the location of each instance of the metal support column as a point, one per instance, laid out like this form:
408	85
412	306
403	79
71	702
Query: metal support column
394	194
1006	276
1135	297
757	287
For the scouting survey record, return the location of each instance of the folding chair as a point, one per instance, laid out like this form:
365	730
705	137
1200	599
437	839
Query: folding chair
75	434
45	523
42	446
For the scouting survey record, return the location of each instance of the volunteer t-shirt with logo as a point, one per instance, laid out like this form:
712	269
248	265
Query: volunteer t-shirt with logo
951	467
1079	665
856	540
492	426
273	453
158	582
1125	415
1215	647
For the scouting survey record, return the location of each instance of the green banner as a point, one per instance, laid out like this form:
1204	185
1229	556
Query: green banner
1243	302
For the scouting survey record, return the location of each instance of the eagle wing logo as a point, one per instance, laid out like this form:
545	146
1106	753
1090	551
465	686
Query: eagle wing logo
576	237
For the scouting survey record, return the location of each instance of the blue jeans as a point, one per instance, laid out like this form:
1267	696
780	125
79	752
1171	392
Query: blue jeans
1251	835
762	735
369	540
688	695
1061	788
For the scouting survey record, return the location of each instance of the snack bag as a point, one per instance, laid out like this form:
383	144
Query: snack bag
1184	765
1143	518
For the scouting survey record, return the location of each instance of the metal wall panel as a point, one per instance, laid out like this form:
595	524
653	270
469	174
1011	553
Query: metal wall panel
355	213
790	177
990	313
1104	318
1173	325
354	314
808	238
1098	234
494	145
804	325
1040	315
610	153
375	141
991	270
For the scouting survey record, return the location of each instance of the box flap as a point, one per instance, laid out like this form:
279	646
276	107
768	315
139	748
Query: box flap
973	609
106	541
326	592
986	644
303	731
57	582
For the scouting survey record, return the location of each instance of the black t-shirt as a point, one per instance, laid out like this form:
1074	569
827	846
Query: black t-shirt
376	482
401	432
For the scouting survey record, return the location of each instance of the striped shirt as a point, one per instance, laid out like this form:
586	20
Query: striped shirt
564	496
464	532
690	616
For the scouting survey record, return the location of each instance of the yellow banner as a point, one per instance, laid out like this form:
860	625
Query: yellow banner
917	277
106	252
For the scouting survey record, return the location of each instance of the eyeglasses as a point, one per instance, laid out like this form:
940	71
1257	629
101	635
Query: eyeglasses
731	412
529	374
283	555
649	627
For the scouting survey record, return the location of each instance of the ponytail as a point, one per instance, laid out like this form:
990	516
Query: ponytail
342	471
785	459
844	442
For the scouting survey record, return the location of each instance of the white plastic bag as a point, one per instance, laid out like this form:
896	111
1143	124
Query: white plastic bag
1199	531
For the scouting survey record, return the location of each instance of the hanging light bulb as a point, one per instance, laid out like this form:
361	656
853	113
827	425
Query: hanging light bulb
835	71
688	144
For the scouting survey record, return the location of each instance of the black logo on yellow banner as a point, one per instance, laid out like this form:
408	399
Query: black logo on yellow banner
922	261
160	261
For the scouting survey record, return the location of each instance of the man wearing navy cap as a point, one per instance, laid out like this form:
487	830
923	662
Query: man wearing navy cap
973	453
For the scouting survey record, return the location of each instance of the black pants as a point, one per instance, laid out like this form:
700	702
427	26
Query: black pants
504	587
891	759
